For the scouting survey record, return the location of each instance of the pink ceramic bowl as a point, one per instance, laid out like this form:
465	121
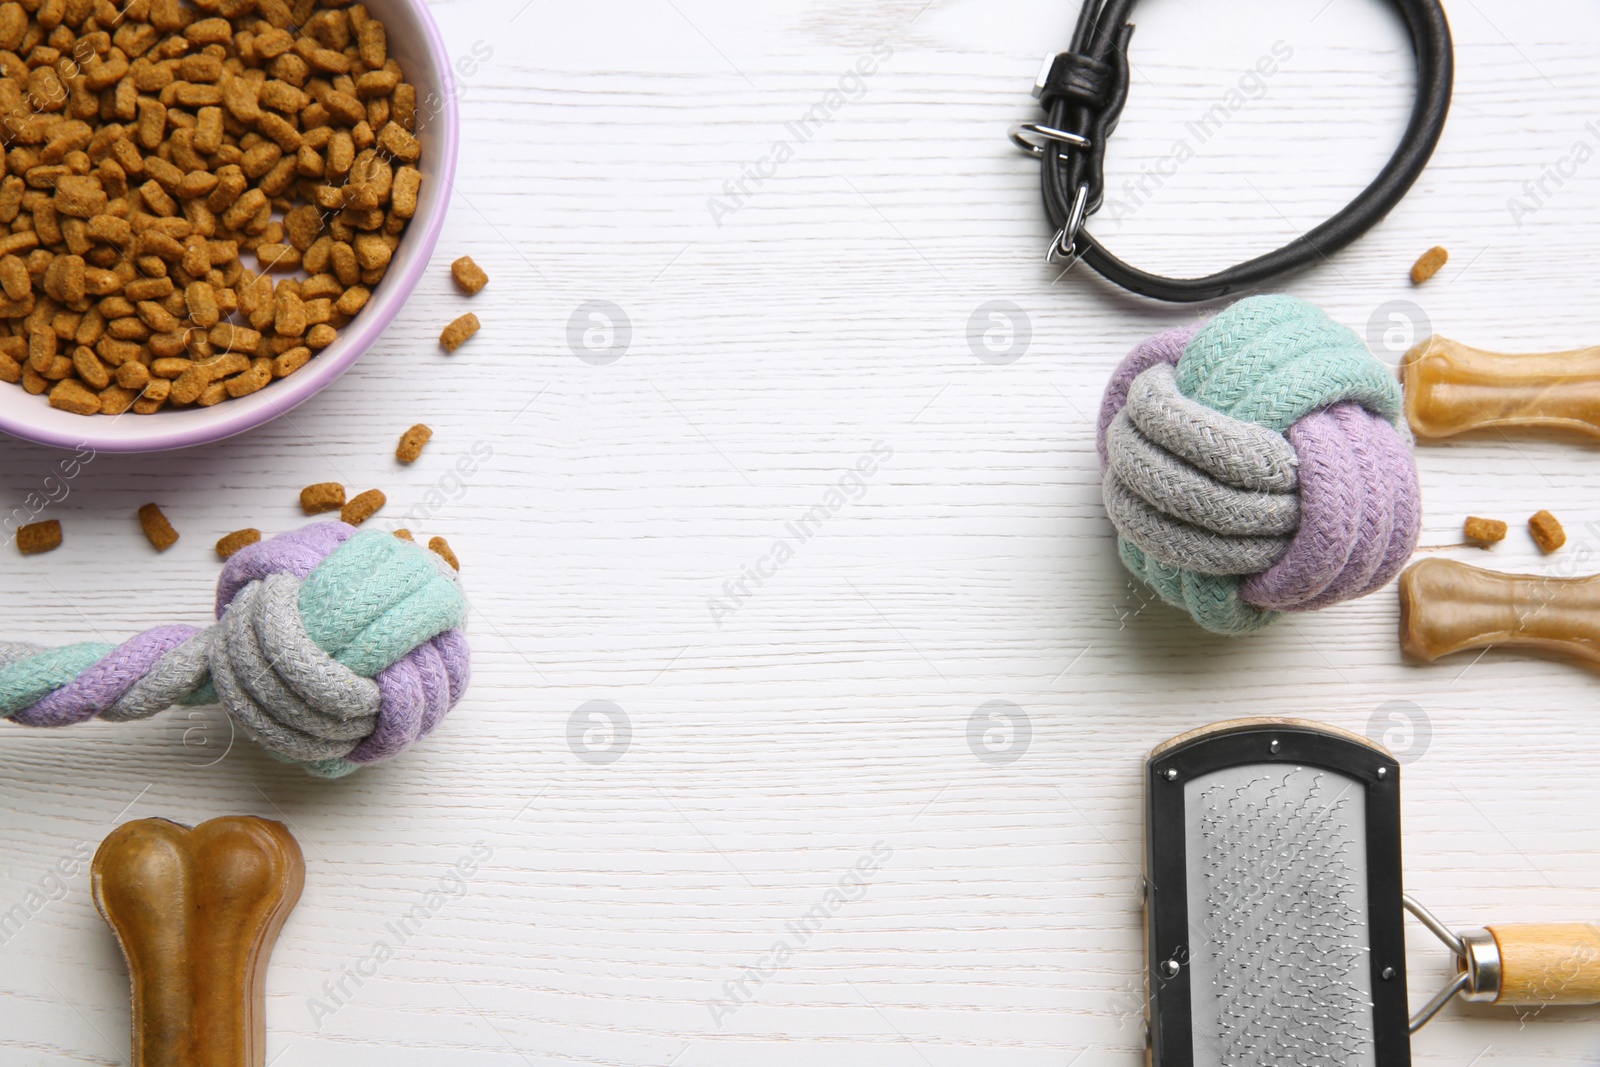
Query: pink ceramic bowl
413	40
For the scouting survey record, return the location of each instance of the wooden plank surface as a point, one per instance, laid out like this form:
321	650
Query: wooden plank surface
604	883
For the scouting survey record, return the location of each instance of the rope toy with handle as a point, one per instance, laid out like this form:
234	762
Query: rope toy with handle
1254	465
332	648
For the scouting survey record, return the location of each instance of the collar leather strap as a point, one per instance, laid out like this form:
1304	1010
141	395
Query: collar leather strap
1083	91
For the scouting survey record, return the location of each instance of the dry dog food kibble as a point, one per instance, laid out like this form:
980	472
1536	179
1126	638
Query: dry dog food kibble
411	443
455	335
218	185
69	394
1485	531
469	276
39	537
441	546
363	506
324	496
157	528
1547	532
1432	261
235	541
405	535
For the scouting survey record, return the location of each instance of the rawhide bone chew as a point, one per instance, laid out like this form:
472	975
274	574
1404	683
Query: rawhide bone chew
1253	465
196	913
1451	389
1275	914
1448	607
333	648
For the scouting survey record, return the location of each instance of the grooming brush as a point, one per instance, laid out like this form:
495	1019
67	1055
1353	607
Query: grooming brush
1451	389
1447	607
1275	909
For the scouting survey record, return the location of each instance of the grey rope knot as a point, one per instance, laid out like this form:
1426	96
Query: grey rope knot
1196	488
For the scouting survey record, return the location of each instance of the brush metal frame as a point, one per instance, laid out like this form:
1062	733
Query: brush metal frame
1171	1023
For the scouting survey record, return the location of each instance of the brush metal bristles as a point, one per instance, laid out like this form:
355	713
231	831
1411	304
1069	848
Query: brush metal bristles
1277	901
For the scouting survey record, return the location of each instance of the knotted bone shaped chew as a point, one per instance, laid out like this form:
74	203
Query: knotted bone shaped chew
1253	465
332	649
196	913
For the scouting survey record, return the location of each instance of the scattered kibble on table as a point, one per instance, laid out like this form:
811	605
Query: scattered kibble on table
469	276
442	547
156	528
233	542
363	506
456	334
405	535
411	443
324	496
39	537
1485	531
1547	532
1431	263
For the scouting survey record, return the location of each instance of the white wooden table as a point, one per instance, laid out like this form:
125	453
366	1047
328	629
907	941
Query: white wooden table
657	775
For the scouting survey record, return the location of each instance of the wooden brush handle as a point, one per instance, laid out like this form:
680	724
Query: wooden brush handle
1548	963
1446	607
1451	388
196	913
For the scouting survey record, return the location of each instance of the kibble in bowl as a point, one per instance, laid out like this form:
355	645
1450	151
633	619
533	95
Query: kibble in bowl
291	118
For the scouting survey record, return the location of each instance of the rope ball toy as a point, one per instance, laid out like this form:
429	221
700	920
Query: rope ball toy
332	648
1255	464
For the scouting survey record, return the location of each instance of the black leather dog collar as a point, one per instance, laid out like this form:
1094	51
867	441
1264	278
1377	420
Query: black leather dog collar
1083	91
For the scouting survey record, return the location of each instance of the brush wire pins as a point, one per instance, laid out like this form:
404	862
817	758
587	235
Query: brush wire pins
1254	465
332	649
